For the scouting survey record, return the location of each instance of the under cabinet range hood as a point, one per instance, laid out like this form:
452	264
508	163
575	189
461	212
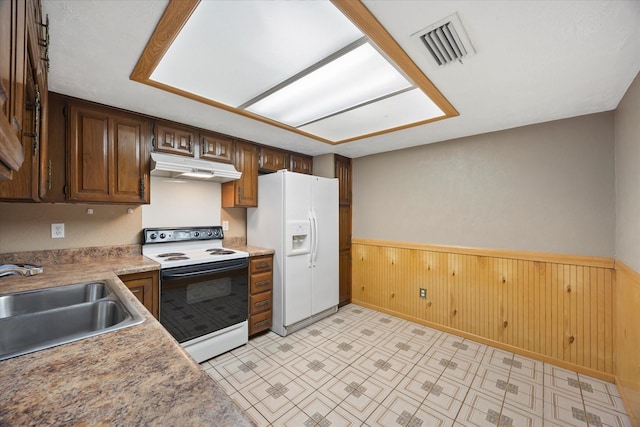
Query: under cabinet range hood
169	166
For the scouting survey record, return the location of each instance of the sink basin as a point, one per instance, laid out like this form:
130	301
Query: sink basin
36	320
46	299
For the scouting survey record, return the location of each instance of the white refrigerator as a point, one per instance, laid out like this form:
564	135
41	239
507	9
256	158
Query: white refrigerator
297	216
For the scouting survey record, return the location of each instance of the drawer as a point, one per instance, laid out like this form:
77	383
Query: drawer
260	302
261	282
259	322
260	264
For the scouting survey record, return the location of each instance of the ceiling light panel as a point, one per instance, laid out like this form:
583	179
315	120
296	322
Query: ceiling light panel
232	51
355	78
403	109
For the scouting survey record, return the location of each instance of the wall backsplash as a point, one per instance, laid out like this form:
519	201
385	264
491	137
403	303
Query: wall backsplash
178	203
27	226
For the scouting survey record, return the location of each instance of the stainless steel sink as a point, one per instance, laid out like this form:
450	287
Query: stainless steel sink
36	320
46	299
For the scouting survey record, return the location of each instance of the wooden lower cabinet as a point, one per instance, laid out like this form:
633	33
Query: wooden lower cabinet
260	293
145	286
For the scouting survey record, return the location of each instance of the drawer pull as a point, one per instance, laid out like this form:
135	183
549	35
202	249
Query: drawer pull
261	323
263	283
261	303
263	265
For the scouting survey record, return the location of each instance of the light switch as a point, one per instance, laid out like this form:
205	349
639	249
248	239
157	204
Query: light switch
225	225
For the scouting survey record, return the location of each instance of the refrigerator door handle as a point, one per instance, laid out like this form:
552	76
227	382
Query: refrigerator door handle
316	238
313	238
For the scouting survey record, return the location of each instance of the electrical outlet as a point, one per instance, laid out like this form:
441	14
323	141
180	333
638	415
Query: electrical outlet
57	231
225	225
423	293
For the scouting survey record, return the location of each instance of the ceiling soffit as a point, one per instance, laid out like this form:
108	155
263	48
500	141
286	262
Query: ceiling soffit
178	12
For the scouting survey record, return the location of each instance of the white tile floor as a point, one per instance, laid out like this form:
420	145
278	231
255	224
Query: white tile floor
360	367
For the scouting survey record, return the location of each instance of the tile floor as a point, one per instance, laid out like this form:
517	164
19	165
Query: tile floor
360	367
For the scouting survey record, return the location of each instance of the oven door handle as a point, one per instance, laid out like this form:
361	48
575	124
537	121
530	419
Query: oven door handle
199	272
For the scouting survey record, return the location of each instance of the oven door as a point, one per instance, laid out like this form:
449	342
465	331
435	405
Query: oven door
200	299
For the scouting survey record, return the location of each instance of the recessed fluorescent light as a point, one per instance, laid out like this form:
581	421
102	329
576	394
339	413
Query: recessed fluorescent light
354	78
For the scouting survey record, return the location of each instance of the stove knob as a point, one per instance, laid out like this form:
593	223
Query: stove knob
209	233
152	236
162	235
196	233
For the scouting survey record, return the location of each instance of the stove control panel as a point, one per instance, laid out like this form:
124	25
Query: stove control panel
184	234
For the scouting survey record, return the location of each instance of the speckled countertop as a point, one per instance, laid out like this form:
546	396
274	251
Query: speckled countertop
135	376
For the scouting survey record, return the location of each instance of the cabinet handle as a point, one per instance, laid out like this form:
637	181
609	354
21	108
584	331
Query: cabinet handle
263	265
142	188
261	303
191	144
263	283
205	146
49	172
262	322
36	123
135	290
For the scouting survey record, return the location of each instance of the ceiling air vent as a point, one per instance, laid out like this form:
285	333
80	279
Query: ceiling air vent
447	41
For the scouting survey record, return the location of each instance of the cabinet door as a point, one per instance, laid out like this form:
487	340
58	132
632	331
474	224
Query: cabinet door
244	191
130	172
272	160
108	157
12	80
300	164
343	173
345	277
174	139
24	183
145	287
216	147
88	151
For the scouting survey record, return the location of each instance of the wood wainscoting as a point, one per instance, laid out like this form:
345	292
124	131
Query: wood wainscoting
627	331
555	308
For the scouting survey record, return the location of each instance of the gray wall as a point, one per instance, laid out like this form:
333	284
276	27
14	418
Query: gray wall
546	188
627	137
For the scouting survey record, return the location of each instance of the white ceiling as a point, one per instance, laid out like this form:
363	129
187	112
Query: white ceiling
535	61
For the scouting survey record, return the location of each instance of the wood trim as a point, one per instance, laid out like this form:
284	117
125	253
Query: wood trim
175	16
533	355
357	12
627	343
582	260
178	12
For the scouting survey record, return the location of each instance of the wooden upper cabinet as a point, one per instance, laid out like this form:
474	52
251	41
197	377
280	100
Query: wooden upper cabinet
343	173
108	155
23	98
175	139
272	160
244	191
216	147
300	163
12	81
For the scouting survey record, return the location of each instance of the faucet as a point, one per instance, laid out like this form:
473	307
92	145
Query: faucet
20	269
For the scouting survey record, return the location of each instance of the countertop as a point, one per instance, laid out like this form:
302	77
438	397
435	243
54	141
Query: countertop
135	376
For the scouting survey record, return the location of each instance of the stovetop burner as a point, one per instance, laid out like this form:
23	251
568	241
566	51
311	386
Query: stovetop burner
176	258
171	254
219	251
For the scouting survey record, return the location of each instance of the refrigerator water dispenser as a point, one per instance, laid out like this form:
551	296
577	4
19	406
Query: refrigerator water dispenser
298	237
